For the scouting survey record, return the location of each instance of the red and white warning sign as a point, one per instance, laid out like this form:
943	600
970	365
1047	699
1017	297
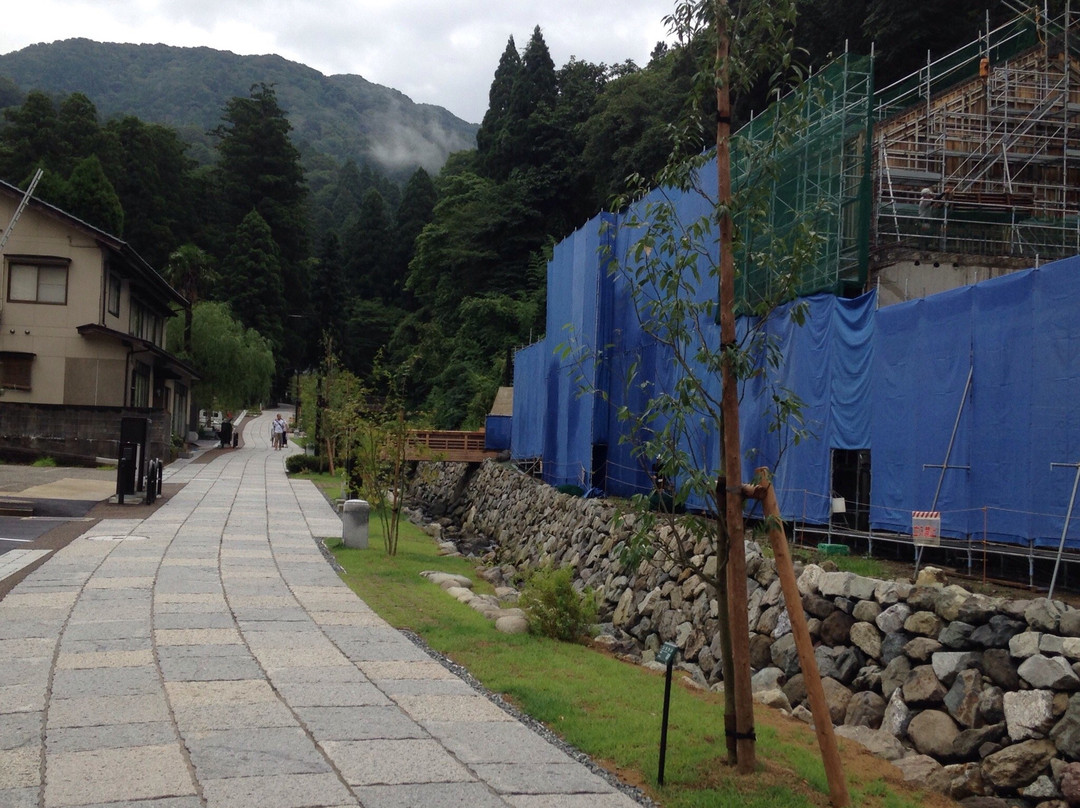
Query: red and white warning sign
926	528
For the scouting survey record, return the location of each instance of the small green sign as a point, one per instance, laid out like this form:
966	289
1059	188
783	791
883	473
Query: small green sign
666	653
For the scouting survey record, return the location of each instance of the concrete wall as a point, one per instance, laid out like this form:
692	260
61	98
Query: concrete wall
74	434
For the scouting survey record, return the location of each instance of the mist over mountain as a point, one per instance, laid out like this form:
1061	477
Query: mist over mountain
343	116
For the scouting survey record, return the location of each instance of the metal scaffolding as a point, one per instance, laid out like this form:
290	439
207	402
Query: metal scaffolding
978	153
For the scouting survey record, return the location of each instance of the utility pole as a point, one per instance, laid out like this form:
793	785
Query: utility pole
729	403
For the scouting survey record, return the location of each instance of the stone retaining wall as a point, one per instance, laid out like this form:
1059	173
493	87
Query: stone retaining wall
977	696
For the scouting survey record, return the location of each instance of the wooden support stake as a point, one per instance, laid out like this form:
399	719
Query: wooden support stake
819	707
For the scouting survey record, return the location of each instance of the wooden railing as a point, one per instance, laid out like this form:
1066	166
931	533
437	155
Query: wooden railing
467	447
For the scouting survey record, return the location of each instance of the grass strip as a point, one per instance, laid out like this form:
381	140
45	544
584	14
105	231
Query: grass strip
608	708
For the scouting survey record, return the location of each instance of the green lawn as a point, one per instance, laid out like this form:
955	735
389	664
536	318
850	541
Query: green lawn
608	708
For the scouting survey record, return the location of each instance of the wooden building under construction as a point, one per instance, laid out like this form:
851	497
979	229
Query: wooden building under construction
976	162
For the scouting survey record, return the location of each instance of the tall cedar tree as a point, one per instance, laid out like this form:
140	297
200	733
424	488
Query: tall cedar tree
251	280
492	131
93	198
368	273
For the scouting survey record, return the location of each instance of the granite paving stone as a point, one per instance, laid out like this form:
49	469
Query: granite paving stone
206	655
252	752
430	795
112	775
392	762
110	736
359	723
20	729
97	710
277	791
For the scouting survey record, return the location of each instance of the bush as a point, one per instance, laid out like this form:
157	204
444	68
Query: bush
572	490
554	608
45	462
296	463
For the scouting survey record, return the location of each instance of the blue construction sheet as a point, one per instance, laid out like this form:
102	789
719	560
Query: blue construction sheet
530	402
1019	336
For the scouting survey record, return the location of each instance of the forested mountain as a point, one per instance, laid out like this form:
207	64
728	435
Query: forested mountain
343	116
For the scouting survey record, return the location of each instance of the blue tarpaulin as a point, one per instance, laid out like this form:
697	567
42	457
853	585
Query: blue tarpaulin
1018	337
894	382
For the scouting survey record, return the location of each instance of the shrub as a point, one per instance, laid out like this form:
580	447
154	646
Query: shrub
572	490
554	608
44	462
296	463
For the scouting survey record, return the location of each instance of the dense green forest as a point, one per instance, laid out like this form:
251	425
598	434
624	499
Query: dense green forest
437	277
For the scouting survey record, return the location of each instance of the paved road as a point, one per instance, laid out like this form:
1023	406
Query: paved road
208	655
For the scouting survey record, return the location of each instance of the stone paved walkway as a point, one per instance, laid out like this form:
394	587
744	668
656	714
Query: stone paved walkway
208	655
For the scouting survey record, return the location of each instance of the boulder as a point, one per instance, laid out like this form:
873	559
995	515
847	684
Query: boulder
866	611
1025	644
837	696
626	610
932	732
1066	733
867	638
808	580
817	606
923	598
866	709
879	743
836	628
921	649
512	624
931	576
997	632
999	668
992	705
1070	783
962	700
767	679
892	645
774	698
846	585
948	664
917	768
1029	713
978	609
1017	765
922	687
1042	789
1043	614
1054	673
785	655
950	601
966	745
894	675
795	689
897	716
1069	625
889	592
892	619
956	635
924	623
760	651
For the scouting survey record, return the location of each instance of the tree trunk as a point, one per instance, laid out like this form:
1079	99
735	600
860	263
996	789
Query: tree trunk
736	566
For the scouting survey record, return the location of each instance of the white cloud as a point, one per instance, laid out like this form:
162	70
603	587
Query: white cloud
433	51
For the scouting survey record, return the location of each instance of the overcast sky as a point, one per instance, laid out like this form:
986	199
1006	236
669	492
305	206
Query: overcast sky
435	51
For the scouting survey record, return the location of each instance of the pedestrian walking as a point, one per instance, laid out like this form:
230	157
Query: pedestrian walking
277	431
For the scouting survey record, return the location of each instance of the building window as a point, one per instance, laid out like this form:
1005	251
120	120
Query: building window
144	324
140	385
15	370
37	283
114	295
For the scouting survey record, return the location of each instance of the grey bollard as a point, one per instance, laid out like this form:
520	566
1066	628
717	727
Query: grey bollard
354	523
